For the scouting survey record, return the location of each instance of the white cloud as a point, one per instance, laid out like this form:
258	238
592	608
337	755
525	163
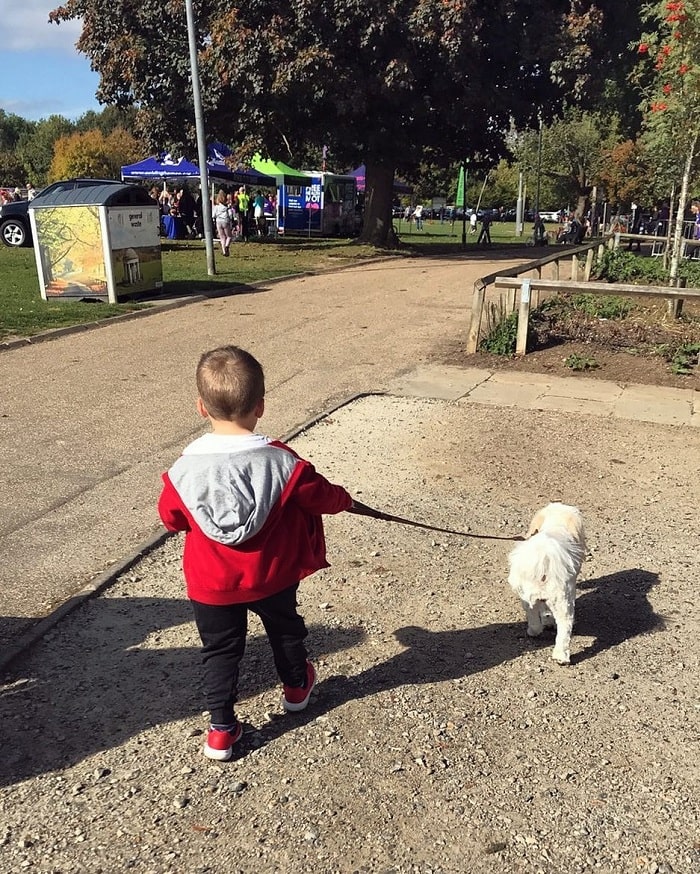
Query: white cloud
26	27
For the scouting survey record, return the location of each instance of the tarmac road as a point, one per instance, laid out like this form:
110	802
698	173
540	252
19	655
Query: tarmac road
89	420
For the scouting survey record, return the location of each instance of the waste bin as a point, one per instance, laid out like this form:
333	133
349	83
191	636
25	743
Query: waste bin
96	242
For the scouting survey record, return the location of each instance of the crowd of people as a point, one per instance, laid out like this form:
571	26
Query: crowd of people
8	195
236	214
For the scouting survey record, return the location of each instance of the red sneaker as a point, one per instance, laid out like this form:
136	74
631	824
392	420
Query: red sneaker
297	697
219	744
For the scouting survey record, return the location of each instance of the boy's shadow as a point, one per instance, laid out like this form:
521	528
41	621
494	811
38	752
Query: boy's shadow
613	609
93	683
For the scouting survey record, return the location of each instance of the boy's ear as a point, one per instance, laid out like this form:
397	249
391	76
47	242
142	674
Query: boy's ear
201	409
260	408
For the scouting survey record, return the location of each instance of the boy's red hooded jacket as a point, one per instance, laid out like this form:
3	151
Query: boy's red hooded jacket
251	512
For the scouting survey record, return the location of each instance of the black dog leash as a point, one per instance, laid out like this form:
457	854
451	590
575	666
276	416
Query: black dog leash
363	510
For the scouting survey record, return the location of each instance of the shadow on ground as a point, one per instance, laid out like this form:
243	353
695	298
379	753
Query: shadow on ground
109	673
613	609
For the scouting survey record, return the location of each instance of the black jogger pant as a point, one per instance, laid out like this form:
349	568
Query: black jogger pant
223	630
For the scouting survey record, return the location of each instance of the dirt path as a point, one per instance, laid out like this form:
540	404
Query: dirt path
90	420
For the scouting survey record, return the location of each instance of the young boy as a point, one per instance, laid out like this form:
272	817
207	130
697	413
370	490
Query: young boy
251	510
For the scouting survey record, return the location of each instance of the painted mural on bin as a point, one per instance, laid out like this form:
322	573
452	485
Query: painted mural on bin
71	251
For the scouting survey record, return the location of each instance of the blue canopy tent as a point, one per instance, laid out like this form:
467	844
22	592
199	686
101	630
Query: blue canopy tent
164	168
153	168
218	153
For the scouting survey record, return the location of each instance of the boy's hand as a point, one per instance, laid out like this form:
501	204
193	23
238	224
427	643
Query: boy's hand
363	510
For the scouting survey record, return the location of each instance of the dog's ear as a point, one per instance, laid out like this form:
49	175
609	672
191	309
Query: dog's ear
535	525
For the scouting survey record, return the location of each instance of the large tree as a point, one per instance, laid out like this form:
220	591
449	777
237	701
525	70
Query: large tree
93	154
36	147
378	81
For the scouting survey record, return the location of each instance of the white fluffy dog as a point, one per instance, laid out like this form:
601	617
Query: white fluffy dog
543	572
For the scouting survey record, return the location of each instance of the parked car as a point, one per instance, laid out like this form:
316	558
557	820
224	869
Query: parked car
15	229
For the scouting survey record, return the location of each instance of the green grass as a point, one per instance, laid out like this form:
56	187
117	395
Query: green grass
435	232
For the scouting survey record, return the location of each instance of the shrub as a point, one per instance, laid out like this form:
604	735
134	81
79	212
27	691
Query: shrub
617	265
580	362
501	337
601	306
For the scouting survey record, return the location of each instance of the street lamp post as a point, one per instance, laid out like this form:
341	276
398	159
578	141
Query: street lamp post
539	166
465	172
201	141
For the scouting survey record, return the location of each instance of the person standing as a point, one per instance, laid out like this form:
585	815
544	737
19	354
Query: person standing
418	216
259	213
252	512
222	222
243	216
485	235
472	222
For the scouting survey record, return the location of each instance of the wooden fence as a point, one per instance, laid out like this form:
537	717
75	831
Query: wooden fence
564	259
529	286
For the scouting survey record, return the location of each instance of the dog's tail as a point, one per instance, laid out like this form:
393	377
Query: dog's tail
542	561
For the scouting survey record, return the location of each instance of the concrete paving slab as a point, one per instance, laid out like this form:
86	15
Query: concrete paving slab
438	381
505	393
656	404
563	404
586	389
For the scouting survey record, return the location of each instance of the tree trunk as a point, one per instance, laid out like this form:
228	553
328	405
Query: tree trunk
377	226
680	214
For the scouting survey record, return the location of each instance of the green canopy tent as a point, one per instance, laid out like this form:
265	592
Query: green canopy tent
283	173
291	185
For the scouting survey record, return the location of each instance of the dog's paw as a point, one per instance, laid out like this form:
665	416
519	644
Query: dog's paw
561	658
534	632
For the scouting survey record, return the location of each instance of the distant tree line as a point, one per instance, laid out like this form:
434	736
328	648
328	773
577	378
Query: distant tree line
97	144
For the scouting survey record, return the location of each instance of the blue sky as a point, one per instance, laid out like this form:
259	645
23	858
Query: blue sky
41	72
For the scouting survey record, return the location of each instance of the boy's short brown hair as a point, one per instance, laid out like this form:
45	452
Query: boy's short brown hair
230	382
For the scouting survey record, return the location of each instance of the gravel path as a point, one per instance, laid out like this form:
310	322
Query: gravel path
440	739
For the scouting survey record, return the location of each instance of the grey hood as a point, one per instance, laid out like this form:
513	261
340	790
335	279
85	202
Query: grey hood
230	483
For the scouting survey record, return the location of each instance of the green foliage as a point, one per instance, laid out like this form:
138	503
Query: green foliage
601	306
620	265
580	362
500	340
574	151
682	358
36	149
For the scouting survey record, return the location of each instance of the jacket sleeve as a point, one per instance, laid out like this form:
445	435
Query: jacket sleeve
170	508
316	495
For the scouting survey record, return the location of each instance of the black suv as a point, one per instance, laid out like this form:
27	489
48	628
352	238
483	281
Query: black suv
15	229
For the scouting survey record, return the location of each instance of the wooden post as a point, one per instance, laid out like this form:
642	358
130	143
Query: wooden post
556	269
574	268
523	318
589	266
477	311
